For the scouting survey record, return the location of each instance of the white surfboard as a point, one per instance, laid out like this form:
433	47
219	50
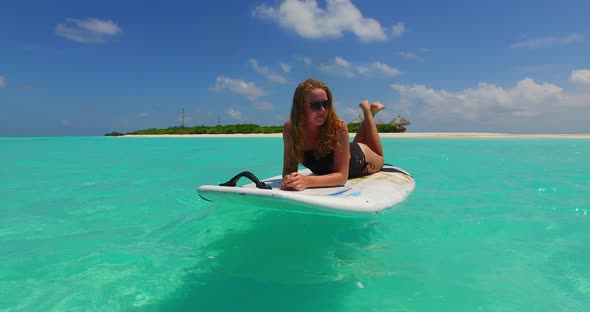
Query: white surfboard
359	196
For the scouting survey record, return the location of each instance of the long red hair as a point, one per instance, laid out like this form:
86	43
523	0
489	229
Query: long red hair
328	135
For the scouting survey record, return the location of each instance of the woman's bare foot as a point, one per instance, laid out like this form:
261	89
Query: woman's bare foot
364	105
376	107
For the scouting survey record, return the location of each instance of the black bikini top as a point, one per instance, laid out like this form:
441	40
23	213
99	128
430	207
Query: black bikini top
323	165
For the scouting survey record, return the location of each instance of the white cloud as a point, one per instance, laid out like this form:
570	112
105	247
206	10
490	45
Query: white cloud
285	67
91	30
410	56
233	113
527	101
383	69
338	66
265	11
307	60
398	29
414	55
266	72
2	82
310	21
580	78
548	42
246	89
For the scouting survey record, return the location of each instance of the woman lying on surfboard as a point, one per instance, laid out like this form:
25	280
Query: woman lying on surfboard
315	137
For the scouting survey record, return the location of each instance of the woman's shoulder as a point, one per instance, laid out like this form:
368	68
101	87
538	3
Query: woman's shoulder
287	126
342	125
287	130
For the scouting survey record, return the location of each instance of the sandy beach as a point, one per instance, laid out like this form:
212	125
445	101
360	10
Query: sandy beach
407	135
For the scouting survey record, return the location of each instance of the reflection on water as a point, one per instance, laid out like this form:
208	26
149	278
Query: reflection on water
309	260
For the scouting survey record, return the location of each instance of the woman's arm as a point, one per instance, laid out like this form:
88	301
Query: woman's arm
299	182
341	159
288	165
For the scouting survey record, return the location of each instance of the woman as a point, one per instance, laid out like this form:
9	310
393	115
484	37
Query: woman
315	137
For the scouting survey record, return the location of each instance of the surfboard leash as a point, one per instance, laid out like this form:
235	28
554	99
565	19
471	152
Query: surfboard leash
259	184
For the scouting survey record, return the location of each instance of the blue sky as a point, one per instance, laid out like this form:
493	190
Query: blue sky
90	67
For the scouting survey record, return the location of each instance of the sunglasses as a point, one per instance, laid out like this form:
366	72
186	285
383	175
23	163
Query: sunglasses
316	106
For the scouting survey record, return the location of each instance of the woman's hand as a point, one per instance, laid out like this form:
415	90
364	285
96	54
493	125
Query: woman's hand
294	182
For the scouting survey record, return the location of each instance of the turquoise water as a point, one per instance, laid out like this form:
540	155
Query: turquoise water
115	224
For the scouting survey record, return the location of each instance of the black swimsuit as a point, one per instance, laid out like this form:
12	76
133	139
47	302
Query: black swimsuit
357	166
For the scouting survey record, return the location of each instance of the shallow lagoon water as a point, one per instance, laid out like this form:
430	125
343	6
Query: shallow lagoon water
115	224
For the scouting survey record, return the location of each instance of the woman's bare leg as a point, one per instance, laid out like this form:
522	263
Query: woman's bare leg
367	133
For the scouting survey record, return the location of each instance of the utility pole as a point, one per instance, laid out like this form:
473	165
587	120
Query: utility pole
218	119
183	117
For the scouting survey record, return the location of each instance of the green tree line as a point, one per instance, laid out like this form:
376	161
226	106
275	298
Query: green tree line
237	129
